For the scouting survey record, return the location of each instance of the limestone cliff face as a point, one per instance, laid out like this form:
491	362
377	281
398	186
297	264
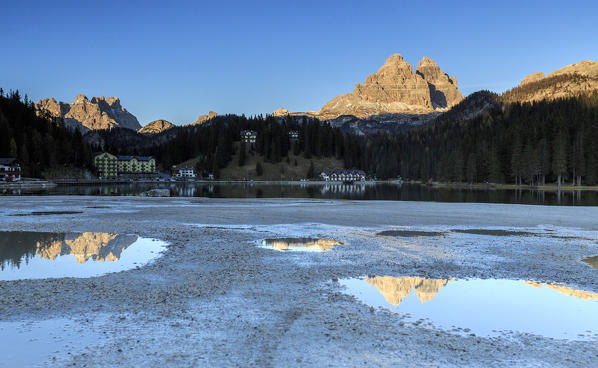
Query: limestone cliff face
395	289
569	81
443	88
534	77
96	114
395	88
203	118
281	112
156	126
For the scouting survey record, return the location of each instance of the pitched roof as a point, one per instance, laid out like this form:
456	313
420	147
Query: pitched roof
138	158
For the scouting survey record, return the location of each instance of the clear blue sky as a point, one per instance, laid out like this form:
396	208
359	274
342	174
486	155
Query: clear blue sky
178	59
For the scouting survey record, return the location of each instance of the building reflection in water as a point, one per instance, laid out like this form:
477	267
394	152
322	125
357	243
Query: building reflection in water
357	189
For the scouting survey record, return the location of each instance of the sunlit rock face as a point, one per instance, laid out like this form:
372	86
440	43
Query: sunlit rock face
396	88
395	289
204	118
580	294
572	80
156	127
283	244
96	114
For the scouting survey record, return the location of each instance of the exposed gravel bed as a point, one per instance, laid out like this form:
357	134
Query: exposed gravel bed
216	298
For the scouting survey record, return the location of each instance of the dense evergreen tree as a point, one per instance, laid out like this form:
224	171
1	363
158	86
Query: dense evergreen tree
39	142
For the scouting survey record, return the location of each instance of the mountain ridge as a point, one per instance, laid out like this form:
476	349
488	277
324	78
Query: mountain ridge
85	115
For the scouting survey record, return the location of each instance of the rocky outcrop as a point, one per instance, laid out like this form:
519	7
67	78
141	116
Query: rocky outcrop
281	112
395	88
443	88
203	118
534	77
96	114
156	126
570	81
587	68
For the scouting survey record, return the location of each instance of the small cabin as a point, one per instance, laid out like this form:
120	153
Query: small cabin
10	169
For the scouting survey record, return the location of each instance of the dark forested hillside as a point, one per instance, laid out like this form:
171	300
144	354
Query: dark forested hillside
548	141
38	142
519	143
506	143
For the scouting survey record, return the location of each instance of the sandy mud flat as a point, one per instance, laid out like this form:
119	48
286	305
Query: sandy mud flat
217	297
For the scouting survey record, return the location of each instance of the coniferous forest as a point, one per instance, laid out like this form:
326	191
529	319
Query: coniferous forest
528	144
39	142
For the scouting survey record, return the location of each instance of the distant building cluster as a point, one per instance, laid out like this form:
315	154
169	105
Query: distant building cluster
111	166
293	135
248	136
343	175
10	169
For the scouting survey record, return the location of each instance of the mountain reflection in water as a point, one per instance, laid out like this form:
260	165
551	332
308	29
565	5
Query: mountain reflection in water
592	261
305	244
484	306
17	247
395	289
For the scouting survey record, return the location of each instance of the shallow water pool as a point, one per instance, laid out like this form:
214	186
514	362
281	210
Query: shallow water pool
39	255
485	307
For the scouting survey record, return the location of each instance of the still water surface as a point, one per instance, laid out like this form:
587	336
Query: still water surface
357	191
485	307
300	244
38	255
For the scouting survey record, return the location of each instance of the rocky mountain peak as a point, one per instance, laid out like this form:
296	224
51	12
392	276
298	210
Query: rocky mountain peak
81	98
570	81
83	114
203	118
532	78
156	126
396	88
443	88
281	112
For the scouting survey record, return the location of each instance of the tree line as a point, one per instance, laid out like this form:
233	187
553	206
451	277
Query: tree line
518	143
38	142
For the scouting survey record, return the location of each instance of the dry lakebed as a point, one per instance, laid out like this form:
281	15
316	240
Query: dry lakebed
193	282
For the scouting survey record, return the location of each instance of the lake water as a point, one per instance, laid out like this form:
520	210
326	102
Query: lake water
484	307
357	191
38	255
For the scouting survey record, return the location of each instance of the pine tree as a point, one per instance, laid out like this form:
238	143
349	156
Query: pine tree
471	168
559	158
311	171
13	148
242	153
259	170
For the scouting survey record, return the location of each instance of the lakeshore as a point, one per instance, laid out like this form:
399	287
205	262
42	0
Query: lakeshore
216	297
